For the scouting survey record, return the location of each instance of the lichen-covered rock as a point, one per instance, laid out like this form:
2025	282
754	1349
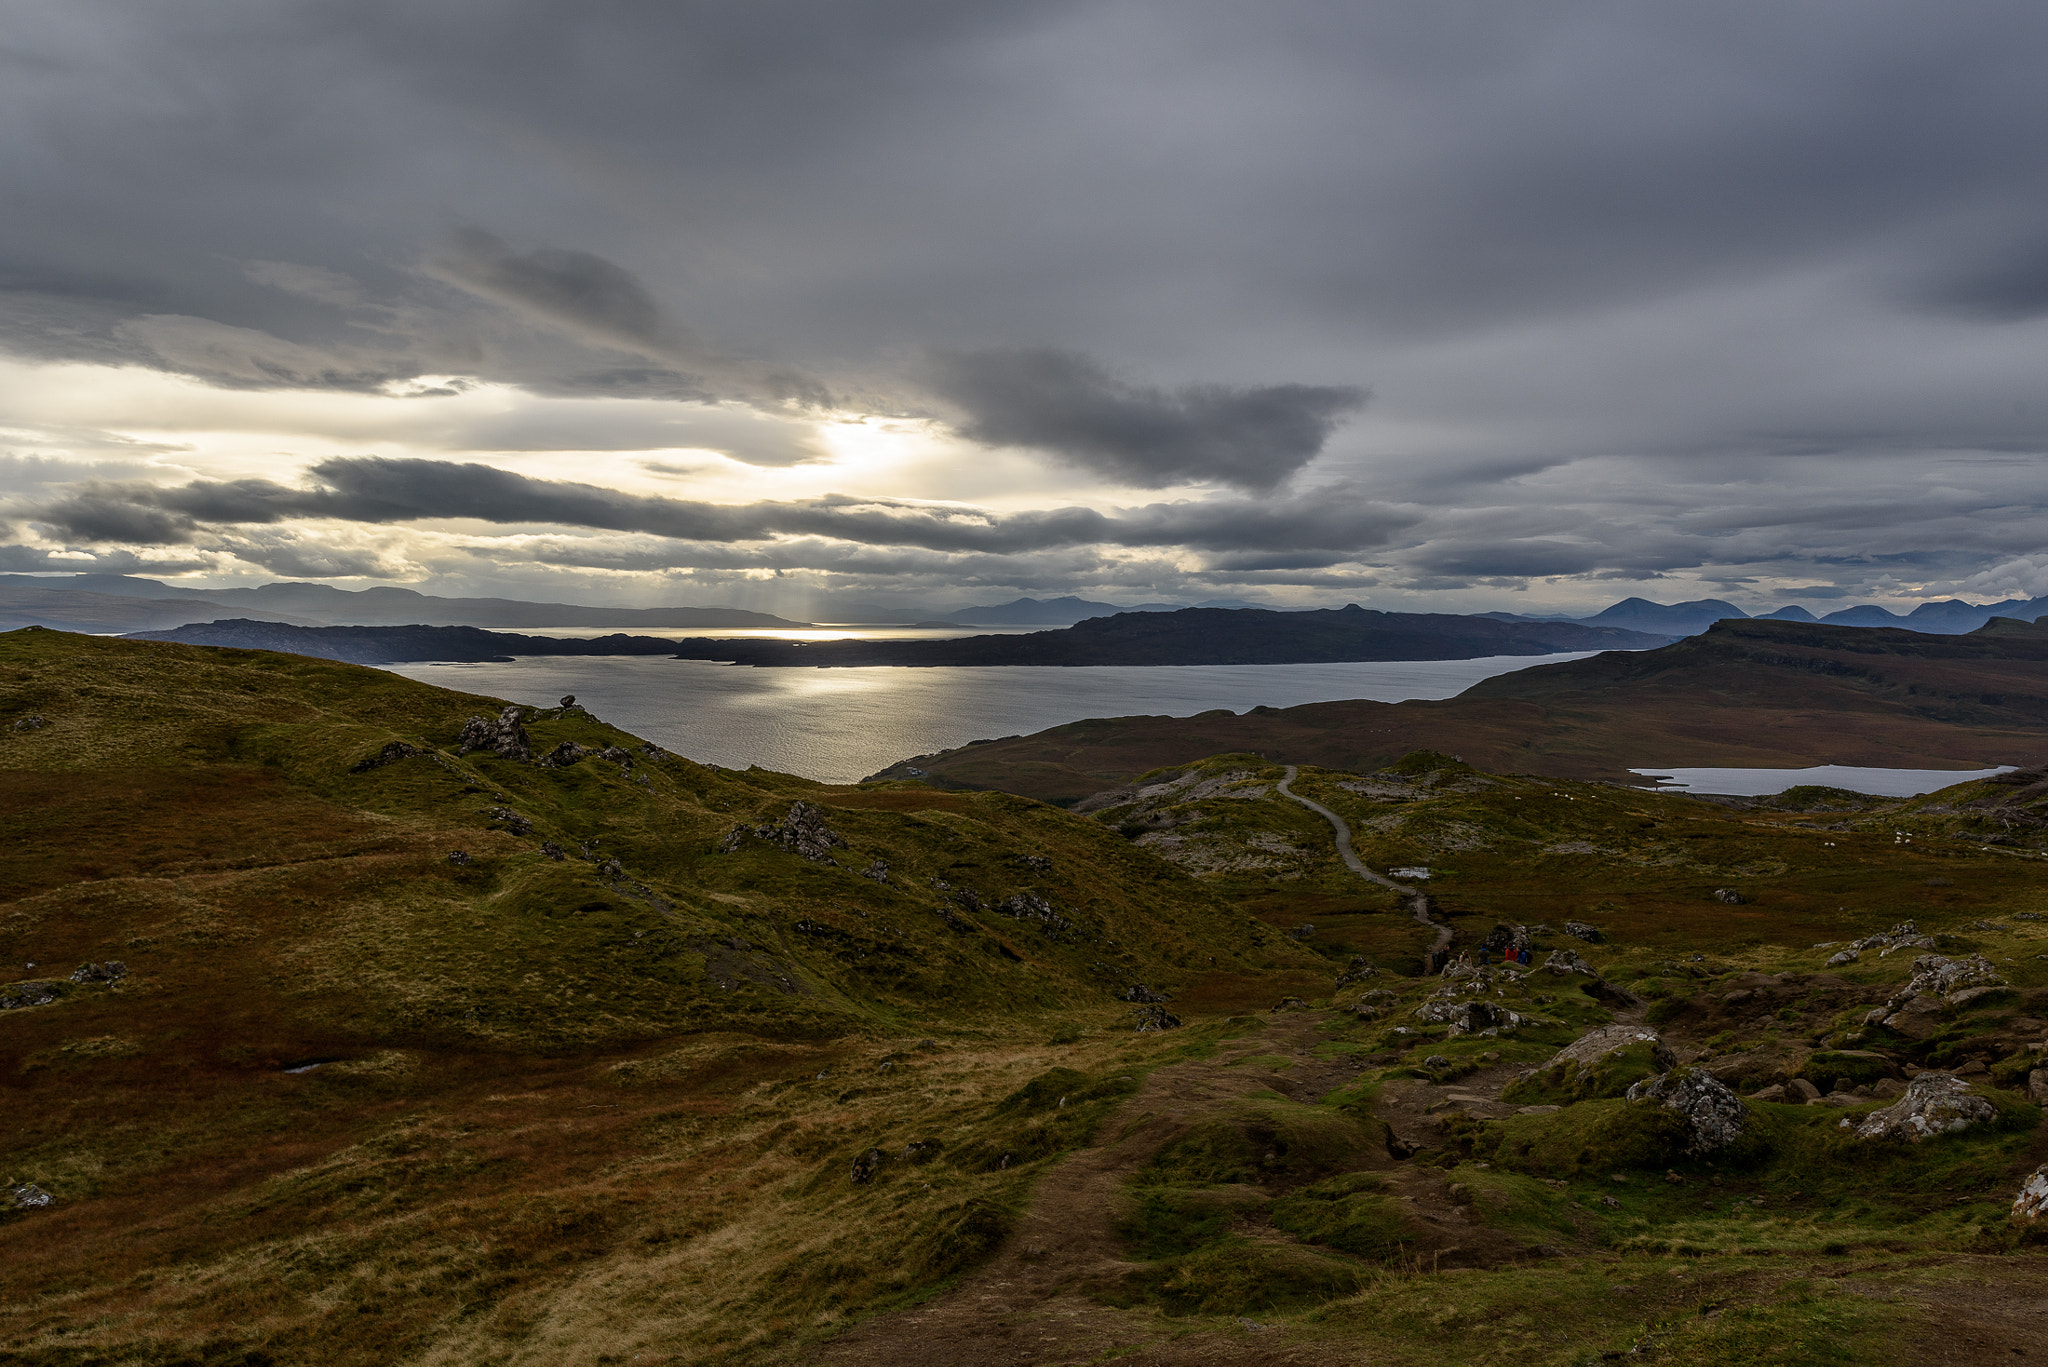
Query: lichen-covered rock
1469	1017
1714	1114
1579	930
1600	1063
1729	896
1847	956
1934	1104
563	755
504	737
2032	1202
112	971
1936	984
879	871
14	996
29	1196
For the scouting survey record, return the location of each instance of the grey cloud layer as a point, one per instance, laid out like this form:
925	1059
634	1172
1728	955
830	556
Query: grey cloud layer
381	491
1163	240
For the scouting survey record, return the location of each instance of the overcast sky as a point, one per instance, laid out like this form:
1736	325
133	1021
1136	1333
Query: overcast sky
1530	305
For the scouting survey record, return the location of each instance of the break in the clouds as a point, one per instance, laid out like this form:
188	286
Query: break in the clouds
896	296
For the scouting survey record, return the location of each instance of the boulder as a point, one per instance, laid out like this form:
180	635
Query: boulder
1579	930
1714	1114
504	737
112	971
1608	1040
1565	962
1774	1093
1729	896
1934	1104
30	724
1847	956
2032	1202
1359	969
2037	1086
1138	992
1153	1018
29	1196
866	1166
1803	1089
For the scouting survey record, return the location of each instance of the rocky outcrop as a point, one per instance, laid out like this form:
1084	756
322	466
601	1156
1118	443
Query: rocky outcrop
15	996
1714	1115
30	723
1029	906
1579	930
504	737
1470	1017
1904	935
29	1196
390	754
112	971
1151	1018
2032	1202
1934	1104
563	755
1729	896
1937	984
1358	970
802	832
1138	992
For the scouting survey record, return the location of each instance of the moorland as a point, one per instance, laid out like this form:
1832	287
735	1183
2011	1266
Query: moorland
350	1020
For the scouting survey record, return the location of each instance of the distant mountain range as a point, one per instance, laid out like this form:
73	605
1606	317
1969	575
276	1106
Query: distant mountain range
119	602
1749	693
1947	617
325	605
1189	636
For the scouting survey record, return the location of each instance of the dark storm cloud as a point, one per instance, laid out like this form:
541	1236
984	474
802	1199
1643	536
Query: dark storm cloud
1071	406
381	491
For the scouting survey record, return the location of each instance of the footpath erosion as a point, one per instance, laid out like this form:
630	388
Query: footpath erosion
1512	1163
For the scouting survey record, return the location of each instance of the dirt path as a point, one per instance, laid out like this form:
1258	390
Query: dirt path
1418	902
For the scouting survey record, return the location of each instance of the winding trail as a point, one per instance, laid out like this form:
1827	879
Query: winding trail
1418	902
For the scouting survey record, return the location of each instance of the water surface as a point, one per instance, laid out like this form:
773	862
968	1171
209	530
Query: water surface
1764	782
840	725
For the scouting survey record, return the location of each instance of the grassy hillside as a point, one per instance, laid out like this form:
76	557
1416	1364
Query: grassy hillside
681	1097
1772	694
